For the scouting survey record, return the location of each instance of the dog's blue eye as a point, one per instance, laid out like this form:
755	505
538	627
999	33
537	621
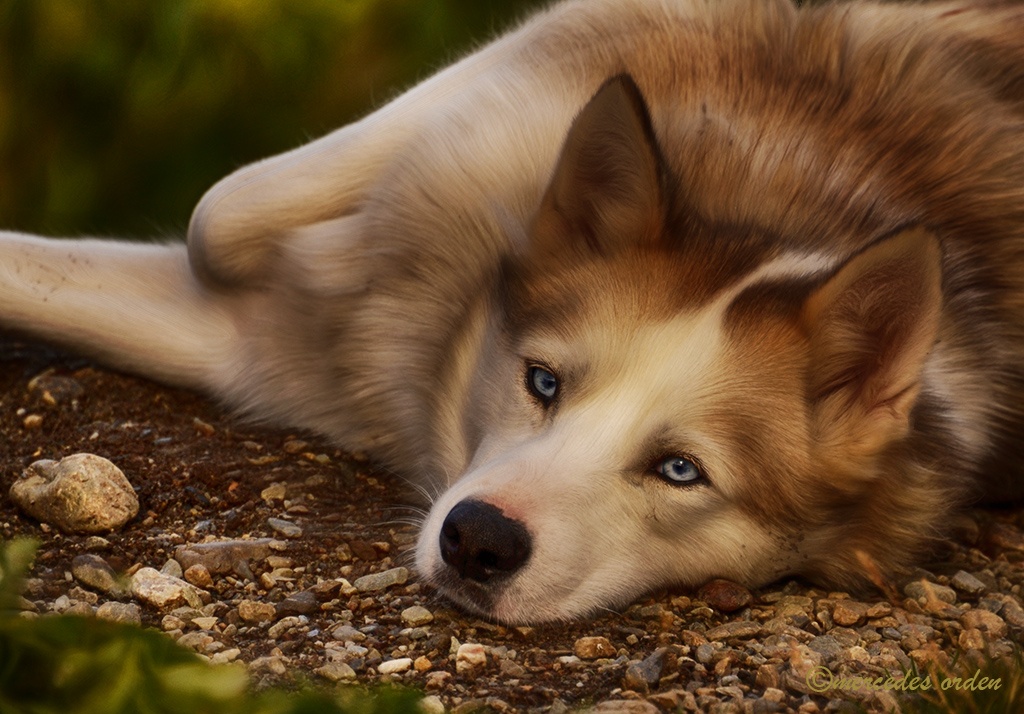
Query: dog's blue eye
678	470
542	383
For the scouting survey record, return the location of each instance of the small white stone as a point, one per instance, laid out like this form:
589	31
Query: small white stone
469	656
417	616
224	656
163	591
205	623
395	666
431	705
381	581
285	528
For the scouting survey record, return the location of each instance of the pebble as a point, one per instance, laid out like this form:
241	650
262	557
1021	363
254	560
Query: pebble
220	557
126	612
986	621
347	633
593	648
741	629
274	492
336	672
82	609
94	572
381	581
827	646
705	653
643	676
849	612
511	669
971	639
417	616
172	622
95	542
284	528
928	590
199	575
256	611
967	584
879	609
1012	613
82	493
437	680
285	624
431	705
301	603
675	700
470	656
274	664
163	591
395	666
225	656
725	595
173	568
623	706
197	641
205	623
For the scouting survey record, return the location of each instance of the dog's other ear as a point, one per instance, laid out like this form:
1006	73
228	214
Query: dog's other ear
871	327
607	186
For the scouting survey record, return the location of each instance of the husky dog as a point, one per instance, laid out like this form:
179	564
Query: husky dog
646	292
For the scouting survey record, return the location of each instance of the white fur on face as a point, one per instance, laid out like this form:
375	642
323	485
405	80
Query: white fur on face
605	528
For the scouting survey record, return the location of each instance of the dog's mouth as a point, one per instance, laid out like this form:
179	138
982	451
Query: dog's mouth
475	597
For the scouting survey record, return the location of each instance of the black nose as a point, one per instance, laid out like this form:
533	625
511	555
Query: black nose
481	543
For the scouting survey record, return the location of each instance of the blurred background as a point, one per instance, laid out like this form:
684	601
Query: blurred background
116	115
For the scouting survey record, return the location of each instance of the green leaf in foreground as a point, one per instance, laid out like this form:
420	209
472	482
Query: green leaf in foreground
75	665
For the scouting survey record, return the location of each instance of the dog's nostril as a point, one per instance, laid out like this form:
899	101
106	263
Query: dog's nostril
480	542
450	531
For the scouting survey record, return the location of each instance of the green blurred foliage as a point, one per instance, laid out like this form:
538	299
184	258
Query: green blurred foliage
116	115
63	664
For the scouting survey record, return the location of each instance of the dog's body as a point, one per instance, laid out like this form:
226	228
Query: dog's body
763	315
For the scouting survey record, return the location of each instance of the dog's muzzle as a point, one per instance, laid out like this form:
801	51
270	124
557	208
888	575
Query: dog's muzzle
481	543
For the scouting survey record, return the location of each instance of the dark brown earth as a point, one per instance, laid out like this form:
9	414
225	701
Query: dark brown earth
201	474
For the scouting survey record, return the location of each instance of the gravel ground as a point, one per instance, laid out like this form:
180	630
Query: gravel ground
274	549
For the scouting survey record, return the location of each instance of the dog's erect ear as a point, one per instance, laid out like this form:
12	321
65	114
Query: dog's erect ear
607	186
871	328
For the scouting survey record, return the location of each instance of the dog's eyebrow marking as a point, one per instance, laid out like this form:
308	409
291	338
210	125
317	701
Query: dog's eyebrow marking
787	265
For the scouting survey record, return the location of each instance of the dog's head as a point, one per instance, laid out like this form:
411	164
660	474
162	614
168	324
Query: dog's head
663	402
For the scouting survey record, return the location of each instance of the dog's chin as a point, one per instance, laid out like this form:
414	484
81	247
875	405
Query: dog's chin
476	598
510	602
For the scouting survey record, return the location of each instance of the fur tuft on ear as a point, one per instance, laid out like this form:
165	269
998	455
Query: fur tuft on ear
871	327
607	186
